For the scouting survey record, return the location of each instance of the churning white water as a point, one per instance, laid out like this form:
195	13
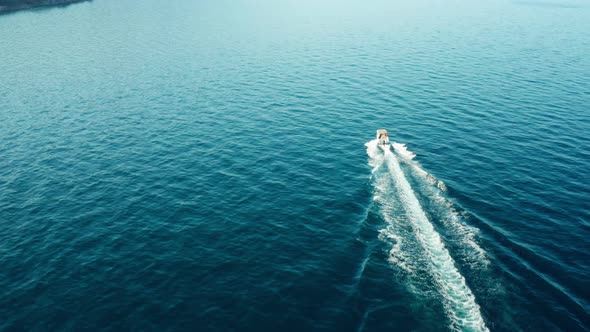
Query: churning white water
459	302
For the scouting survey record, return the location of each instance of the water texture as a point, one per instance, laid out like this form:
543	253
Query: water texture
201	166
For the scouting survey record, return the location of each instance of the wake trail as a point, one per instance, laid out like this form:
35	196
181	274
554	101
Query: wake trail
408	156
434	189
458	300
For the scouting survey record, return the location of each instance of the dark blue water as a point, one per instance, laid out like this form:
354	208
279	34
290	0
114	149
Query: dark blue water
201	166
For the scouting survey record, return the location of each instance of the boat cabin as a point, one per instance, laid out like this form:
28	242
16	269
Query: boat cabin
382	137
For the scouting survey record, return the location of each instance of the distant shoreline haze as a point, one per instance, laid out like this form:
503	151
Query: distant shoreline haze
7	6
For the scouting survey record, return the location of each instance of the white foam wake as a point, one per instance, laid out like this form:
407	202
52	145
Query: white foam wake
403	151
452	220
408	157
459	302
473	254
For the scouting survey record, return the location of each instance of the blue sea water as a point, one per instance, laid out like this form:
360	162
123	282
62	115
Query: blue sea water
209	166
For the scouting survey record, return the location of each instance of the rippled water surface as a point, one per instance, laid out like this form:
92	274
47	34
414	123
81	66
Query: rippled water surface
208	166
